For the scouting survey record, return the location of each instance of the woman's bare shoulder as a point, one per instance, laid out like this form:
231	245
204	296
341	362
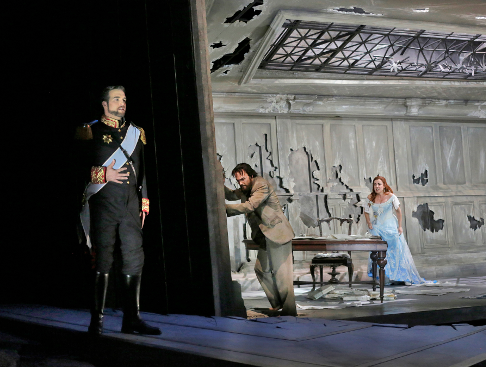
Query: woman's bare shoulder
369	197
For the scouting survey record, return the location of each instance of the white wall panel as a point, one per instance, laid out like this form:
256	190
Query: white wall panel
452	155
304	152
477	154
377	151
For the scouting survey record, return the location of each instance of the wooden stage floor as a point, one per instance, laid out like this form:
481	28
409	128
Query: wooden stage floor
409	309
331	337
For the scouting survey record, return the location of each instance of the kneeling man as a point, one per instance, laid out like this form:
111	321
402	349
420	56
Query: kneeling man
271	230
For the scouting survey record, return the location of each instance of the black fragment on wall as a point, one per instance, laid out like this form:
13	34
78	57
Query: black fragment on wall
423	179
265	166
217	45
426	219
474	223
234	57
354	10
246	14
341	188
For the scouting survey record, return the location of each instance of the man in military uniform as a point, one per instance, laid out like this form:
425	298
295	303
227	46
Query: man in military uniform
271	230
116	203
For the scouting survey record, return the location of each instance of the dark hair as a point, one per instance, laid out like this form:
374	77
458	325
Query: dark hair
105	94
244	167
386	188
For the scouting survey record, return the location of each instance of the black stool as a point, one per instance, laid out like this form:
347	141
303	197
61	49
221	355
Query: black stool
333	262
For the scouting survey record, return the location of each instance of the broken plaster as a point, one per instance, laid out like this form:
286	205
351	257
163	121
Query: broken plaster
233	58
261	160
217	45
354	10
307	167
480	113
354	208
227	172
307	215
247	13
414	105
279	104
423	179
475	224
338	186
426	219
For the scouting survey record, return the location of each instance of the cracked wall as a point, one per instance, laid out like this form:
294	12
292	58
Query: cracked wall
353	10
260	158
323	166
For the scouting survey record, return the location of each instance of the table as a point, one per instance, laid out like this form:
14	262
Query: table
377	247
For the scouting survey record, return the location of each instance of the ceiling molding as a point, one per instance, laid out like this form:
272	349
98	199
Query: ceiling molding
277	104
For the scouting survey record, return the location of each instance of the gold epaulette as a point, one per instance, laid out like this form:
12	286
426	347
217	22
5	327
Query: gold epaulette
142	134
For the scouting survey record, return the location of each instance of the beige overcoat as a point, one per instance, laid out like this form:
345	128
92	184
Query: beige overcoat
263	210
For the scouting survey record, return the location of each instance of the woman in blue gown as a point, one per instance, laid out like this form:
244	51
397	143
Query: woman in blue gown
379	213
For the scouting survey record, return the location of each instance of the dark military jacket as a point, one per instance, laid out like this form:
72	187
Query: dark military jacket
103	145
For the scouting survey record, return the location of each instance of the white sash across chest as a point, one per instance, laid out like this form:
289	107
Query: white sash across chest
129	143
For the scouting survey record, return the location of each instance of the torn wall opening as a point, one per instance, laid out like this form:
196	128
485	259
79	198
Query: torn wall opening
233	58
246	14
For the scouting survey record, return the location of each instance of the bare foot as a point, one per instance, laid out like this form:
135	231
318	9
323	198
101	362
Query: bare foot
275	308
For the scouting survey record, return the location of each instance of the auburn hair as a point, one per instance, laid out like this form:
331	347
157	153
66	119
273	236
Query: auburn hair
385	185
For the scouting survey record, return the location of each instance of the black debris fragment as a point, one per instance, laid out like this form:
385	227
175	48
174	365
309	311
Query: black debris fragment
234	57
353	10
426	219
246	14
474	223
423	179
217	45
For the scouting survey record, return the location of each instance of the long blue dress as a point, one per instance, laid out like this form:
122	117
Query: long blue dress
400	266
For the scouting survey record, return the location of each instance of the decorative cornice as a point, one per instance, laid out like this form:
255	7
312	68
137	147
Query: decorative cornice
347	106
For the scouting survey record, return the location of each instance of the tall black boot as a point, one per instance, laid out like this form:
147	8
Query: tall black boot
100	286
132	323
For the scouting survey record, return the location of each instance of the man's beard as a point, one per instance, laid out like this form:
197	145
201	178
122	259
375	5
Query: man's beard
116	113
246	191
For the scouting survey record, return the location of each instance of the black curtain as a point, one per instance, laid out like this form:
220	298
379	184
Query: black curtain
61	57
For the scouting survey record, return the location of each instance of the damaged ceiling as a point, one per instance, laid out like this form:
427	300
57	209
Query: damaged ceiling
240	34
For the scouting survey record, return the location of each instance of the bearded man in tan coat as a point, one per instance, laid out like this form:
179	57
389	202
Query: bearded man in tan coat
271	230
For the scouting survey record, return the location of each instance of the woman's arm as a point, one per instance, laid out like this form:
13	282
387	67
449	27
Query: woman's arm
366	210
399	217
367	216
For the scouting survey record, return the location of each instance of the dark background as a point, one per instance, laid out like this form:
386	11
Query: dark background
59	60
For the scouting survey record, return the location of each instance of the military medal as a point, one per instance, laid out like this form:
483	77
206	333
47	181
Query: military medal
107	139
